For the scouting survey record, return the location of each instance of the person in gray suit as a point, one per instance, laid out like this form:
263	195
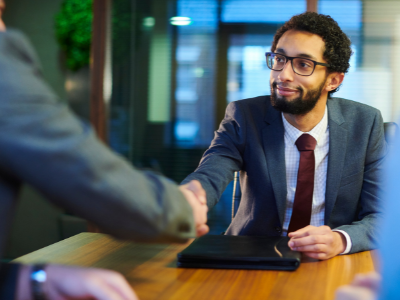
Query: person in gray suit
44	144
336	208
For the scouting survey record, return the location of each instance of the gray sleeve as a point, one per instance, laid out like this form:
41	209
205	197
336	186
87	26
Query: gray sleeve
224	156
364	232
44	144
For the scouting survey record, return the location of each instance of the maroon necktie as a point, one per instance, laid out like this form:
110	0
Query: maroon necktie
302	204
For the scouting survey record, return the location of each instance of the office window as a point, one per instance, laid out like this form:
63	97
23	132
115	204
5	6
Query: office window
371	26
195	74
259	11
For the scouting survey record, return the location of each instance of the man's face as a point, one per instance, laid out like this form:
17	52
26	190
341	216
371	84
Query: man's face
292	93
2	7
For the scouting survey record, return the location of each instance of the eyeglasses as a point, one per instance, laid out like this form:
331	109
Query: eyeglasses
301	66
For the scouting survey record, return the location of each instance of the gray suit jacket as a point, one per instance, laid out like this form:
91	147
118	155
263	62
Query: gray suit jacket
251	140
43	144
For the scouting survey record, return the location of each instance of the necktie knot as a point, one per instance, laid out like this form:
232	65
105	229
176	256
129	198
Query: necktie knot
306	142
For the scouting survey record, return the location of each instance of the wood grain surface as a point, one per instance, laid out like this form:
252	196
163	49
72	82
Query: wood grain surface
152	272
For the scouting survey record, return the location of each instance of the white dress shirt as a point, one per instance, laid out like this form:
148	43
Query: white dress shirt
292	157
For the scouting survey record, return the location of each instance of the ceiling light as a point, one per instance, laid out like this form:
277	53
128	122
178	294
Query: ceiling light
180	21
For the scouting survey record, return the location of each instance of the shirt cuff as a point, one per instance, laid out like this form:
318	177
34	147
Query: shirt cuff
348	241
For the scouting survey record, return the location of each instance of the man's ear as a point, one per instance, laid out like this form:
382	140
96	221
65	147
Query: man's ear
333	81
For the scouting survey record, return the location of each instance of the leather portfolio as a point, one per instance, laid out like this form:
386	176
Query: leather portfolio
239	252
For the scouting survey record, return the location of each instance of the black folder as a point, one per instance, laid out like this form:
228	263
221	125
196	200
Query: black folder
239	252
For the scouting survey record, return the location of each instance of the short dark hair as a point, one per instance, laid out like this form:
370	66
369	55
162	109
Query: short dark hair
337	44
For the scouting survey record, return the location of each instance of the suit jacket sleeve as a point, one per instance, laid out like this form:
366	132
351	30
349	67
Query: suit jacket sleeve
224	156
44	144
363	232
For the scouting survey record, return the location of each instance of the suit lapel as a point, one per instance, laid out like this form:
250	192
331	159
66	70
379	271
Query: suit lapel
337	152
274	148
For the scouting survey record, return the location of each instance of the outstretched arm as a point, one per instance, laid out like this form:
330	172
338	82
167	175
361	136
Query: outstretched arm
224	156
45	145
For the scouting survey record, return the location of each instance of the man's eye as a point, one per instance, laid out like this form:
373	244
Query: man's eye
304	64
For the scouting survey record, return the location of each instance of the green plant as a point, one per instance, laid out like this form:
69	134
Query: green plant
74	31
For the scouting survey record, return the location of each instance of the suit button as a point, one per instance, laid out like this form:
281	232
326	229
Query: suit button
278	229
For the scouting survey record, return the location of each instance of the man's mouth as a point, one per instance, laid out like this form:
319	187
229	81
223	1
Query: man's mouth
283	91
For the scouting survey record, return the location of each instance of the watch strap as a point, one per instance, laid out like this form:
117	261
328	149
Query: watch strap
38	278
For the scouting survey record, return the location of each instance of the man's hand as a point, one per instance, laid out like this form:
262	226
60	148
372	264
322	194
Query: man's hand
317	242
196	196
363	287
64	282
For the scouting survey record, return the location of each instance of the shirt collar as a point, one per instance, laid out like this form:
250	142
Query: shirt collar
317	132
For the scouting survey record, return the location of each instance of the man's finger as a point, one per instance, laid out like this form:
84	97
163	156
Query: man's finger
197	189
316	255
308	240
309	230
202	230
119	284
301	232
104	292
312	248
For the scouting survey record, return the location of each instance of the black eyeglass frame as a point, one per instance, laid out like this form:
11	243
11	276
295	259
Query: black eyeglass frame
291	62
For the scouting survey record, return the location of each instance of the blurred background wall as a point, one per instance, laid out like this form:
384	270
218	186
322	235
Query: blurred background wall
173	77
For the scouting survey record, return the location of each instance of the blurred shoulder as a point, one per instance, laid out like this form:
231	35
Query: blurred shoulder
15	46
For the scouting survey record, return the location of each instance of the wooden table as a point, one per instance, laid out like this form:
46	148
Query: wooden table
152	272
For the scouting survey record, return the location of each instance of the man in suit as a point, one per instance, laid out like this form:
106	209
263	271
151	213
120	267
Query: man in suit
45	145
309	164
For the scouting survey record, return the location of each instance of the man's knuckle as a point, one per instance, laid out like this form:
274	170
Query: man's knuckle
93	281
115	276
313	255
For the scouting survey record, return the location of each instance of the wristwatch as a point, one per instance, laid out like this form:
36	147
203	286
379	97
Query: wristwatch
38	278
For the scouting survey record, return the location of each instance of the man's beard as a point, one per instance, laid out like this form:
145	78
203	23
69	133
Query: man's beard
298	106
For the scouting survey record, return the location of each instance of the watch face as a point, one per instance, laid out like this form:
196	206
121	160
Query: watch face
39	275
38	278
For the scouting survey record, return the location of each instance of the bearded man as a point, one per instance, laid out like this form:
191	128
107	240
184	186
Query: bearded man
309	163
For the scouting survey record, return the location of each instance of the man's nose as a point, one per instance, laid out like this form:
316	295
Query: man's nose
287	73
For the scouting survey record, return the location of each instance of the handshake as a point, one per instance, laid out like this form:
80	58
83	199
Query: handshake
66	282
196	196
